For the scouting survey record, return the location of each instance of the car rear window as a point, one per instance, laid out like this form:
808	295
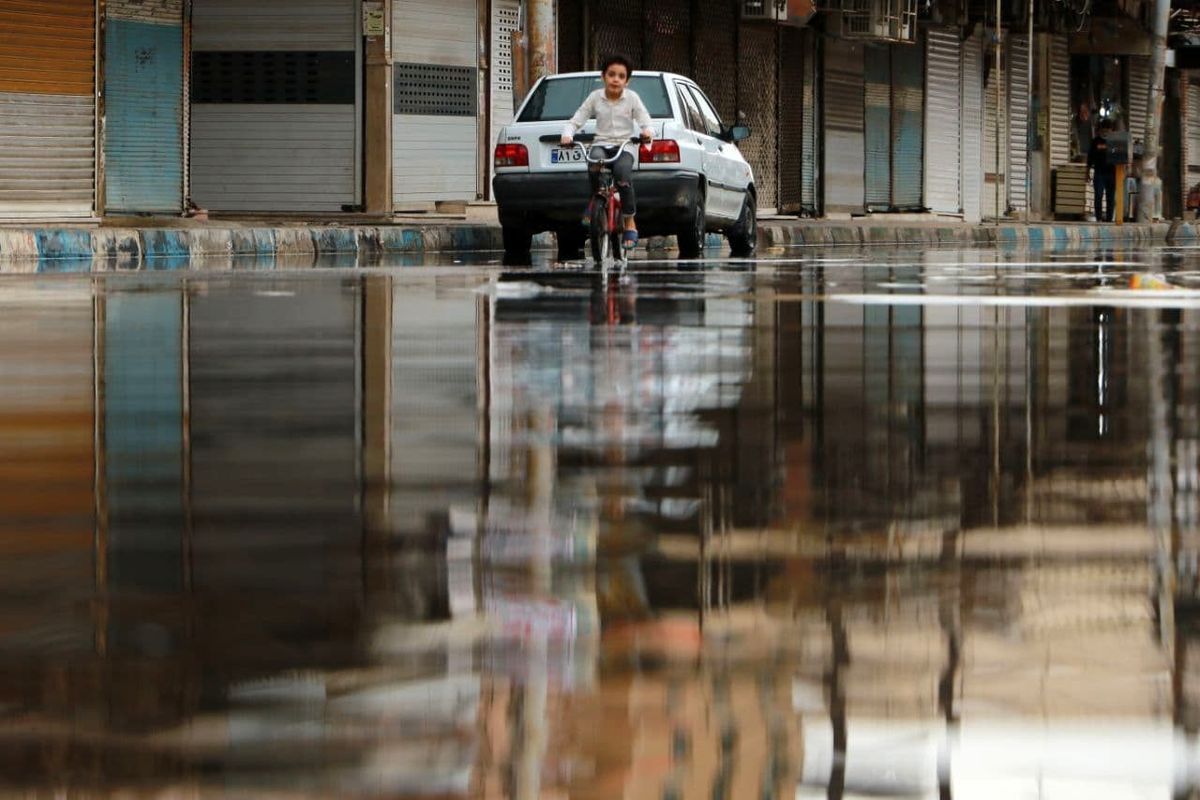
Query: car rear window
558	98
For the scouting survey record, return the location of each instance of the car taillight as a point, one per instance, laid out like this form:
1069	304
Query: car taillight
512	155
662	151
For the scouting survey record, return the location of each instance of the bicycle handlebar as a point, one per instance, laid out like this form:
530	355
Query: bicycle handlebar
587	151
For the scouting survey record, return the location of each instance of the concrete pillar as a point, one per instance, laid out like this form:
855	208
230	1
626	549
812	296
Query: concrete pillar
1151	186
377	180
543	54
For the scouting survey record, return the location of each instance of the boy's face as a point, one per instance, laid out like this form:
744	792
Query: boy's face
615	77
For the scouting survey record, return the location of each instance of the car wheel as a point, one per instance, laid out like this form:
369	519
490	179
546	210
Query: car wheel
743	236
570	244
518	241
691	236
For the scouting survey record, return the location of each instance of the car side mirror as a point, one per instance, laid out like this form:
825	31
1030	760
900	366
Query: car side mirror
737	133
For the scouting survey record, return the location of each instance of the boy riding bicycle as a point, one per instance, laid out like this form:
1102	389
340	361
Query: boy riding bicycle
619	112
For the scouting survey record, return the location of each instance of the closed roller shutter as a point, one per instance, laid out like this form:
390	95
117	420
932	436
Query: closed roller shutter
1192	177
877	148
972	130
1060	102
811	156
275	105
908	132
506	15
1139	92
791	120
995	130
143	126
844	92
47	108
1018	126
435	134
942	112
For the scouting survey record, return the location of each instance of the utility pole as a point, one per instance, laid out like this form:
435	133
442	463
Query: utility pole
543	57
1150	190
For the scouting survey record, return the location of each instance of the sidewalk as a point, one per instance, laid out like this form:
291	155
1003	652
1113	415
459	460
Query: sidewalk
131	241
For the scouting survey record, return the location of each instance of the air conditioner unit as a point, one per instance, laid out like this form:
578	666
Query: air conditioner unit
878	20
772	10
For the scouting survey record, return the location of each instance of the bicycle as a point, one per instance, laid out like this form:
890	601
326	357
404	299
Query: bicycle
605	228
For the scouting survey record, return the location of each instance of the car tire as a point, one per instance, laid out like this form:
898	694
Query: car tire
518	241
570	244
690	236
743	236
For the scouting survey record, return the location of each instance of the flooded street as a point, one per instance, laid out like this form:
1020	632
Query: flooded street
835	523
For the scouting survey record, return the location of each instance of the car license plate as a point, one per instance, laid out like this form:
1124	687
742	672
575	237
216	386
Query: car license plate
566	155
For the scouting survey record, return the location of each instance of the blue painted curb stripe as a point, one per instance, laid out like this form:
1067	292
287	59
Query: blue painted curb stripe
64	243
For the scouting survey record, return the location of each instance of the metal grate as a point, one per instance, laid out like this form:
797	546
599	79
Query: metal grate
791	119
878	20
669	32
617	28
757	97
435	90
273	76
715	31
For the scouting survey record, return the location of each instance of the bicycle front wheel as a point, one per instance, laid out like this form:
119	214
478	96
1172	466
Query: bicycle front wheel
598	232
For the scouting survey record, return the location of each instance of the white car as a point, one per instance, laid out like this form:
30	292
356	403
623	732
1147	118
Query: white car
692	179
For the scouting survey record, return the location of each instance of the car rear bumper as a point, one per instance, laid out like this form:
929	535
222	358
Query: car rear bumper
544	202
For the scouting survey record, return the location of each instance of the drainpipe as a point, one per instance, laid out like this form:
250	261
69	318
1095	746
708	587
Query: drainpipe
1150	189
543	59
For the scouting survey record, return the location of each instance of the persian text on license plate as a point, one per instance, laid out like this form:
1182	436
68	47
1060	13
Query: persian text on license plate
565	155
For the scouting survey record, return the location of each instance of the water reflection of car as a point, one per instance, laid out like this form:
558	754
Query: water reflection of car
692	179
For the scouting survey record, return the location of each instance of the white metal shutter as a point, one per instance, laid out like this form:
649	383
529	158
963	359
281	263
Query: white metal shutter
506	15
276	98
844	97
809	152
1061	112
995	129
435	133
1192	174
972	130
1018	125
1139	93
47	109
942	114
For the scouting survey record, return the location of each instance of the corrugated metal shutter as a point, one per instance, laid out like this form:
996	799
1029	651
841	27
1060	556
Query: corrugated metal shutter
995	130
714	49
942	121
972	130
1193	136
877	77
791	119
1139	93
276	93
757	54
47	108
844	139
669	48
1061	112
908	132
435	131
143	135
1018	125
810	157
506	15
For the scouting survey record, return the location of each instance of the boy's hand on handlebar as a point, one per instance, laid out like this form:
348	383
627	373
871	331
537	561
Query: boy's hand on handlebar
647	136
567	141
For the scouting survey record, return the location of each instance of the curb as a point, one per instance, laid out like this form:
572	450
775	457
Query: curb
165	248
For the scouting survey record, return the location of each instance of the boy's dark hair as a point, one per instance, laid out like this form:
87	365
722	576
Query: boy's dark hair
616	58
